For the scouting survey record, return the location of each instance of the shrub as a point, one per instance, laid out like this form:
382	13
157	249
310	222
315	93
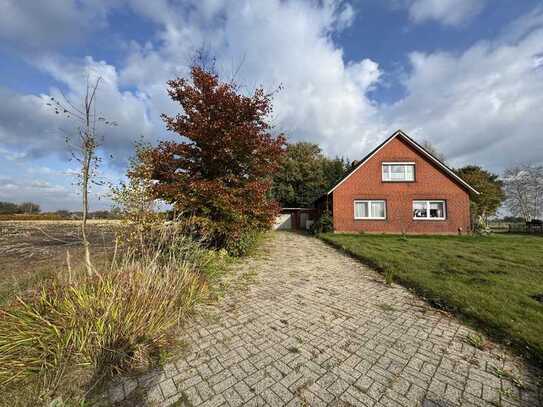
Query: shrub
135	203
243	244
112	321
323	225
236	239
481	227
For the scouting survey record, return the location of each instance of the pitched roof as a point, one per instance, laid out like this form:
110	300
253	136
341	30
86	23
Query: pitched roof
416	146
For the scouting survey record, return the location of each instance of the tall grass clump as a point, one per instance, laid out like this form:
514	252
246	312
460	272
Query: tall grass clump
80	329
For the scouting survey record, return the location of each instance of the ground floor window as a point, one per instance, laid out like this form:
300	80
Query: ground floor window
369	209
434	210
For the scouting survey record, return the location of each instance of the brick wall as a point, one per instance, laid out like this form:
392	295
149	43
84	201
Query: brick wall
430	183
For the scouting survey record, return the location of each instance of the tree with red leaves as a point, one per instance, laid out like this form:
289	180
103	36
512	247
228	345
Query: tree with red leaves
222	169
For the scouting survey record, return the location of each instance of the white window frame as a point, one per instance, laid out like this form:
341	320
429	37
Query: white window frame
427	203
370	201
405	164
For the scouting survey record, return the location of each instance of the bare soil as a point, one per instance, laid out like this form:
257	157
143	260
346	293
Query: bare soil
32	251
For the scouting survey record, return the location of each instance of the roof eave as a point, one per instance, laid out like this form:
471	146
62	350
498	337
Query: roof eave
397	133
441	164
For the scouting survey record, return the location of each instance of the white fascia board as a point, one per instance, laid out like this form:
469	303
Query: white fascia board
416	146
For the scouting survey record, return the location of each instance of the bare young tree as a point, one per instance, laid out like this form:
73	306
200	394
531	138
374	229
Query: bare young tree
403	216
432	149
83	143
523	187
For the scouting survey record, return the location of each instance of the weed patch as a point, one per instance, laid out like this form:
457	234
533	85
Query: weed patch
508	375
477	341
387	307
389	276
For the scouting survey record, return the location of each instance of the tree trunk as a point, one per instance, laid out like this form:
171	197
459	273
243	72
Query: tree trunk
85	191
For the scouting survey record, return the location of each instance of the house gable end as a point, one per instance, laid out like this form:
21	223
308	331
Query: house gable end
420	151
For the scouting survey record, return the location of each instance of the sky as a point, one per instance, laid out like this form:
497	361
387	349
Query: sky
465	75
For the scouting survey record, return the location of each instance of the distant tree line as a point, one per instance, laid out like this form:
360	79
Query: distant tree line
11	208
31	208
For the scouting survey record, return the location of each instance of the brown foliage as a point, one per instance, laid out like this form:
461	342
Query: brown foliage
222	168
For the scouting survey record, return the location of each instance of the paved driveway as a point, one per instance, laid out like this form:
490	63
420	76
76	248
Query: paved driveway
315	327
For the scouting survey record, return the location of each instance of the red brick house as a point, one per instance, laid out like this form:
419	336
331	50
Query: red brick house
401	188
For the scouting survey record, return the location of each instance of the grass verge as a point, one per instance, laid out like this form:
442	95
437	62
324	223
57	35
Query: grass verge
492	282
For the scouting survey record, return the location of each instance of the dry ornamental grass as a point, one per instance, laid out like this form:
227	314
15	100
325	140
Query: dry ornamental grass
78	330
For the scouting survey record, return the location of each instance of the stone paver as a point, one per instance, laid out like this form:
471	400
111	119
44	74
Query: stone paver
317	328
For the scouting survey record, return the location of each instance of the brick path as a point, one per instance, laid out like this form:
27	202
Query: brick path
316	328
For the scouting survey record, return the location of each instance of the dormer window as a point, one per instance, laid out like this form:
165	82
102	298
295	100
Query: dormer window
398	172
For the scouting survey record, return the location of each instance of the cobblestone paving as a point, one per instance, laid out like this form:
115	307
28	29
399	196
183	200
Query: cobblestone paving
317	328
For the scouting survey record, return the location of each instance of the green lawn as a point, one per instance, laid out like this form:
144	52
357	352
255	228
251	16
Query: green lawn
487	280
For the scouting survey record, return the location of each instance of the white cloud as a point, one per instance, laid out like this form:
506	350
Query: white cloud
27	127
482	105
37	25
44	132
52	190
365	74
11	155
48	195
41	185
7	187
448	12
273	43
345	17
280	43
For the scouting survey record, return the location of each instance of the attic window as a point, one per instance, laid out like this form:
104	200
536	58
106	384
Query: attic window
398	172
